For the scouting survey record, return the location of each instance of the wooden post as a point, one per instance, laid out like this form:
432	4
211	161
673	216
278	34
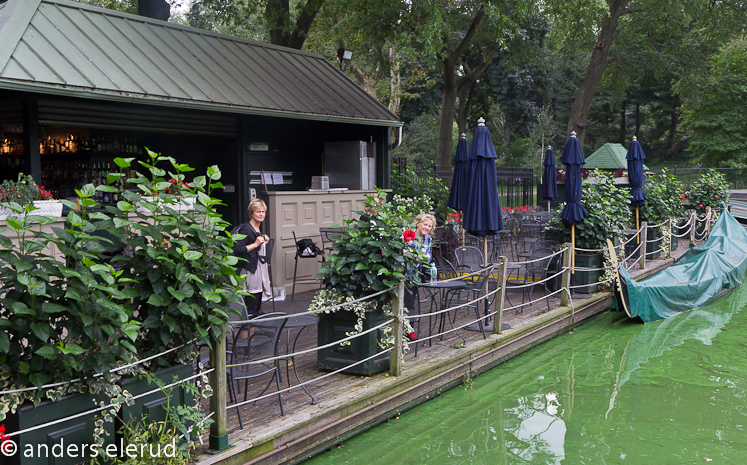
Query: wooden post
693	222
707	223
566	278
500	274
642	250
218	439
395	356
669	249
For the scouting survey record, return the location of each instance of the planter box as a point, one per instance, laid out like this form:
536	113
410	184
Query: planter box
71	435
653	242
587	260
45	207
334	326
182	205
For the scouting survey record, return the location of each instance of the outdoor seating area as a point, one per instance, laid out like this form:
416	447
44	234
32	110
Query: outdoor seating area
280	397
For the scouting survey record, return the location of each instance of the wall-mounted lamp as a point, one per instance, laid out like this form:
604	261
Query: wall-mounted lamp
344	54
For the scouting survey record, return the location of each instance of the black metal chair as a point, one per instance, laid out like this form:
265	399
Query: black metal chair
329	236
304	250
540	244
268	258
531	232
470	257
476	288
538	270
253	342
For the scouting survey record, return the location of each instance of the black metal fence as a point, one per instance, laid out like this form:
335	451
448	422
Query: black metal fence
515	185
736	177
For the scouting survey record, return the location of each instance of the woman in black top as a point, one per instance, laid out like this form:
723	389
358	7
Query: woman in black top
252	250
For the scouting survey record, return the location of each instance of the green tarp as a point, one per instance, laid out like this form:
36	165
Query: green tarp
695	278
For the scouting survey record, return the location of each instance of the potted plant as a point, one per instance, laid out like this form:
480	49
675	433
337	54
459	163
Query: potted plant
130	285
369	255
608	215
23	195
663	202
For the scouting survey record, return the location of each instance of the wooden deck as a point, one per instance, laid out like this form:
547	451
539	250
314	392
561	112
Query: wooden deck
339	395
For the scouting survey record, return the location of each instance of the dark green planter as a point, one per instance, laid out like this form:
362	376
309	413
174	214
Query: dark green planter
653	242
334	326
79	431
675	242
579	278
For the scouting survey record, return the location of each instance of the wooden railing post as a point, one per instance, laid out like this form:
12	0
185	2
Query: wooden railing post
671	236
565	296
500	296
218	440
642	250
693	222
395	356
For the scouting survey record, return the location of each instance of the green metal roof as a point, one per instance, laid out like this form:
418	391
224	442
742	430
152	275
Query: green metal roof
608	157
69	48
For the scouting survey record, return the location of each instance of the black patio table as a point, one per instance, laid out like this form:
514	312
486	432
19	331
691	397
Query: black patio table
301	321
443	288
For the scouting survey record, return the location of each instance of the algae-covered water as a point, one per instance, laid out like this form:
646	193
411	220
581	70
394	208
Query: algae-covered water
612	392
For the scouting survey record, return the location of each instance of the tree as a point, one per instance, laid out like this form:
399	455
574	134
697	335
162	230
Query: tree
156	9
719	133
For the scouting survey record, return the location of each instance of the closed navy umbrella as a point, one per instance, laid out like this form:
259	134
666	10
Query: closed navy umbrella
635	159
549	180
574	212
482	210
459	182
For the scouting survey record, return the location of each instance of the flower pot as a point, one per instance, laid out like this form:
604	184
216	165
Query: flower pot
579	278
79	431
334	326
181	205
653	243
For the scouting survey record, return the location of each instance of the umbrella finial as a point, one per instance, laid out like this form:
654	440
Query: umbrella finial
481	121
635	138
462	136
573	133
549	147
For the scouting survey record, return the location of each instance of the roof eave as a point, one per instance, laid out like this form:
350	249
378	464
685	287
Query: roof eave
99	94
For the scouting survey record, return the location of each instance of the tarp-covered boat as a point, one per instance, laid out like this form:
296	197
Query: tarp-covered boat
694	279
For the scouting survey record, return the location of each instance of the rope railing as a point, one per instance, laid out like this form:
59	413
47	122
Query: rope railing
657	225
540	258
326	346
327	375
96	375
99	409
535	300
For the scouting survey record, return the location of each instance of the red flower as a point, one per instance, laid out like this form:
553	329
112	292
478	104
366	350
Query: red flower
682	196
710	184
408	235
3	436
701	205
717	196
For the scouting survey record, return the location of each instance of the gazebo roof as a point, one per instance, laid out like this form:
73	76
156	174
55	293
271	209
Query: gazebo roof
68	48
608	157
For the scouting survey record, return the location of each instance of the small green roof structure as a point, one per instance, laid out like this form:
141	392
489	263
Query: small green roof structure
608	157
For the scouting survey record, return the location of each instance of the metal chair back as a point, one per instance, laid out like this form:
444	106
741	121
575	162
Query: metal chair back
470	257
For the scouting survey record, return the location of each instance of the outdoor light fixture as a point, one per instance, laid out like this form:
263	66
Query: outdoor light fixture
344	54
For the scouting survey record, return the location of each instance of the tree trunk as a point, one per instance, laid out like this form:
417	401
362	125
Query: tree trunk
598	62
395	84
465	92
156	9
282	32
448	106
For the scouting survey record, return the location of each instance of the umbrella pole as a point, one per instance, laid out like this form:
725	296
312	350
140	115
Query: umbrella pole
485	249
573	249
548	205
637	227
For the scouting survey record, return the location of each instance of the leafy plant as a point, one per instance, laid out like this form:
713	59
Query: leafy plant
410	185
663	199
128	283
370	253
23	191
166	442
608	209
709	190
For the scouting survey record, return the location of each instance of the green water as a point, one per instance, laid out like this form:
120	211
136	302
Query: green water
612	392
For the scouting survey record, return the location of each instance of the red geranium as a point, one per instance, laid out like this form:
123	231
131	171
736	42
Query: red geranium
409	235
3	437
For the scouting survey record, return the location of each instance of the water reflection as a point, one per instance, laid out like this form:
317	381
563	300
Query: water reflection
670	391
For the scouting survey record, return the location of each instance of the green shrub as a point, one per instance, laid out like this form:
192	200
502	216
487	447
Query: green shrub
709	190
663	199
409	185
131	282
608	207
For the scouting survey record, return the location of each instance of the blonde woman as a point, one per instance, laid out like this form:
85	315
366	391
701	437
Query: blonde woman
424	224
252	250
